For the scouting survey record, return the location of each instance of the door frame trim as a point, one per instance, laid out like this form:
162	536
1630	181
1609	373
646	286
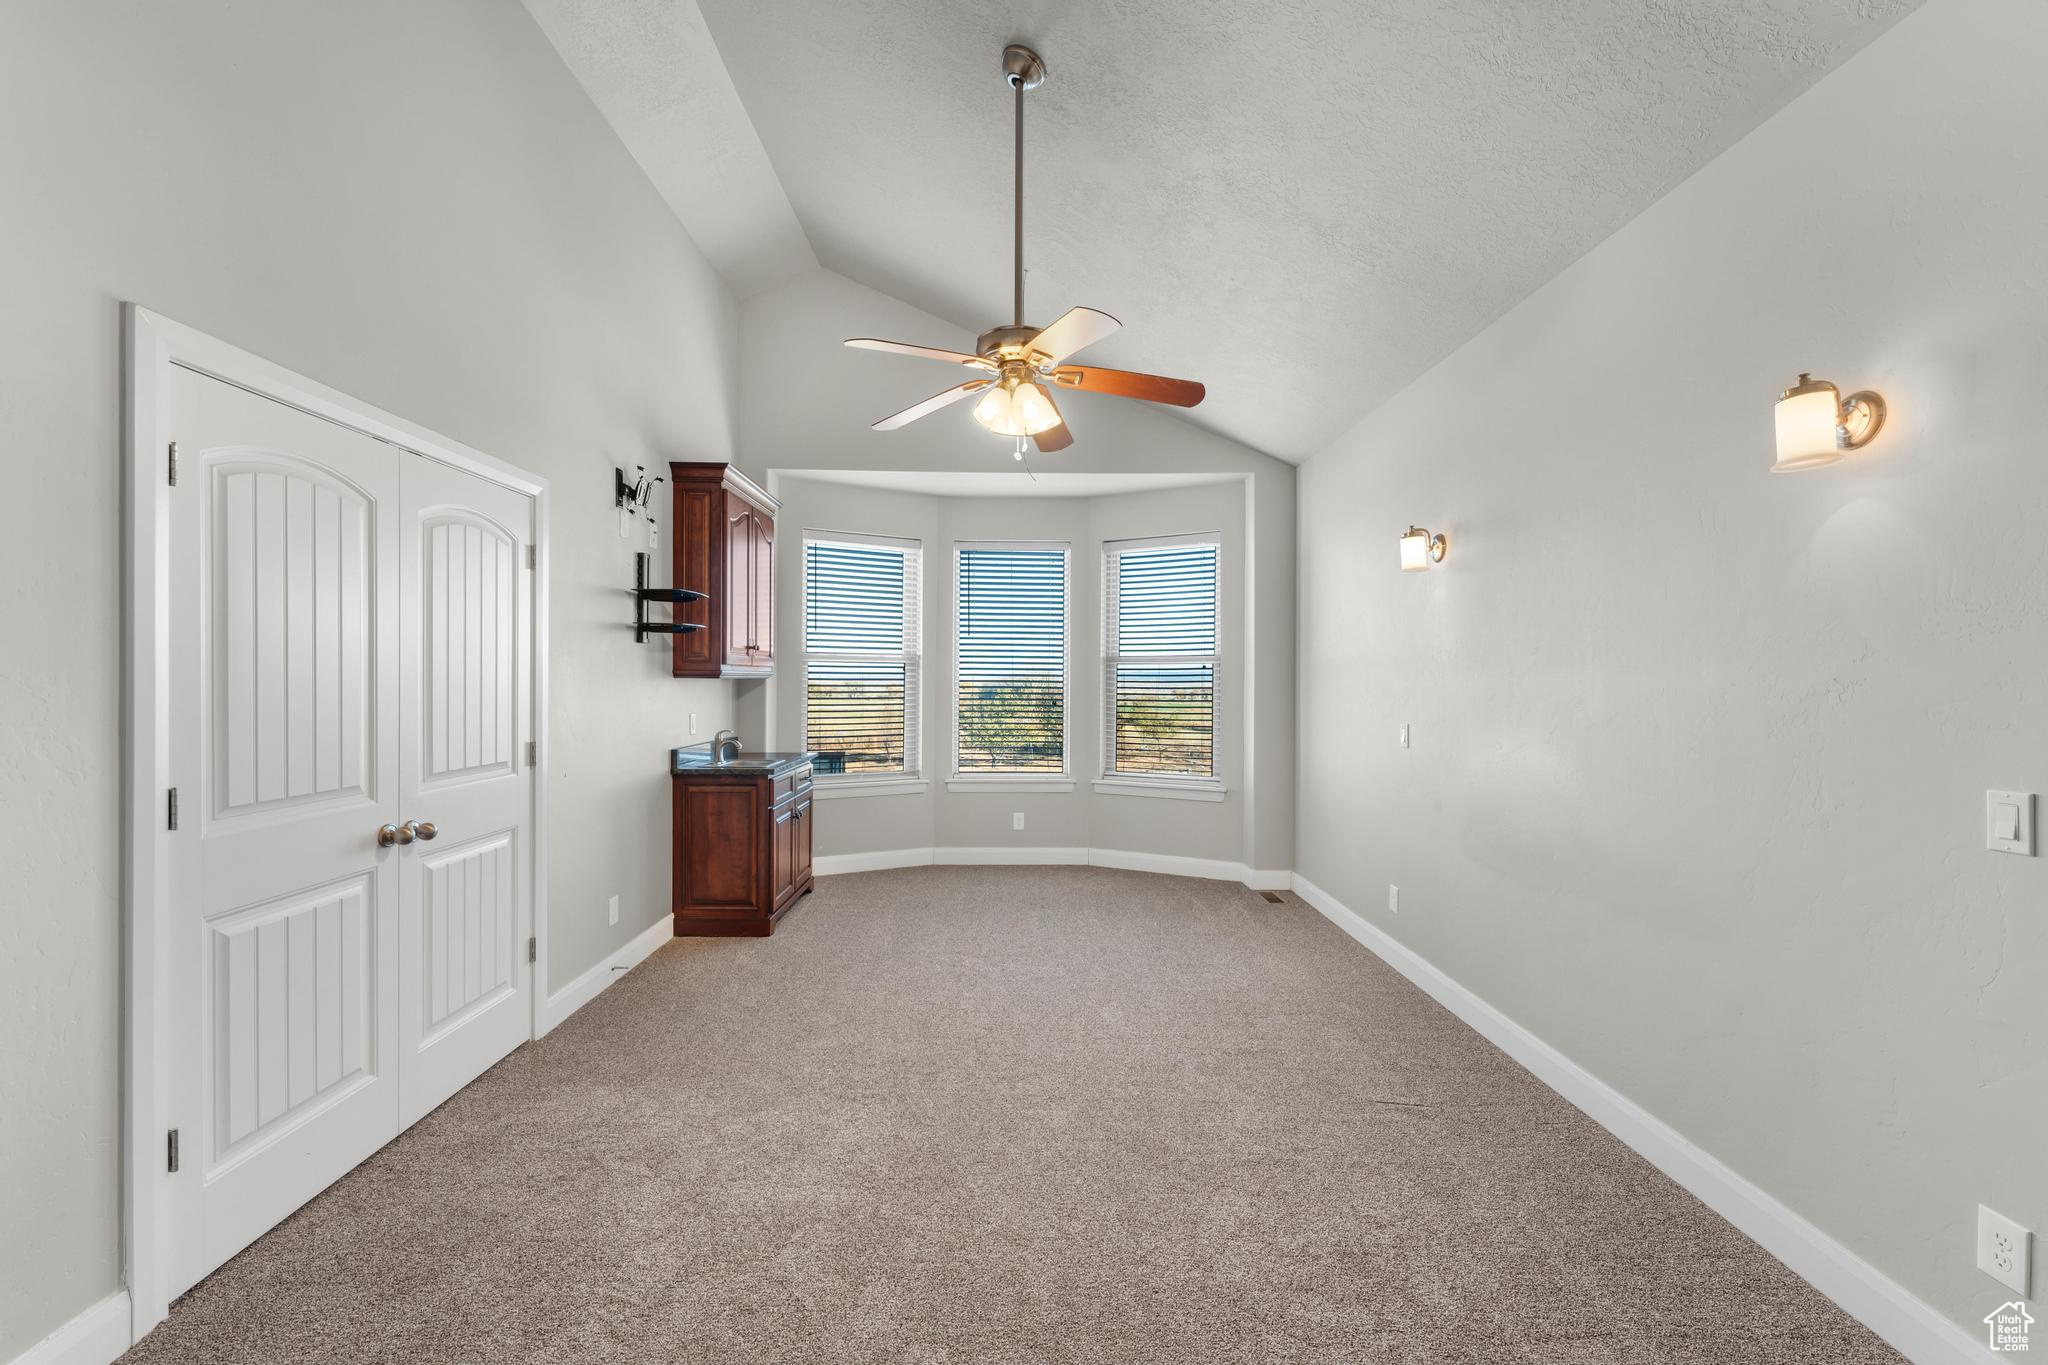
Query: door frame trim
152	347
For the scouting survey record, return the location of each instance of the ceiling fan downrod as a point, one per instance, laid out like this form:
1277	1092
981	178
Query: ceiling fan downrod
1023	69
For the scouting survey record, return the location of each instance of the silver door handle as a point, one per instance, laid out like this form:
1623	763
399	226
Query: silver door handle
387	835
419	829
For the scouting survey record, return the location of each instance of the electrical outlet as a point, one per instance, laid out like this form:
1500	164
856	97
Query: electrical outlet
1404	736
2004	1250
614	911
1393	898
1016	819
693	722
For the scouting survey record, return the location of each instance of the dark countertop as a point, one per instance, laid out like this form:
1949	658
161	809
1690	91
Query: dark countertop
697	759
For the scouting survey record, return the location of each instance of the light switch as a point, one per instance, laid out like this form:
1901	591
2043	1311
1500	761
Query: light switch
2009	822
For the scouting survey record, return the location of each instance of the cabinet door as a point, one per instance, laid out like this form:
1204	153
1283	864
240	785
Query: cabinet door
785	835
739	581
802	870
763	531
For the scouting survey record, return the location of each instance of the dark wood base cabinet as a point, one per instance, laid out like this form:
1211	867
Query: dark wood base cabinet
742	848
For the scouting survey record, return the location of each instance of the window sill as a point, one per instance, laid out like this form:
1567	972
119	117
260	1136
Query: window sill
993	785
1171	791
829	789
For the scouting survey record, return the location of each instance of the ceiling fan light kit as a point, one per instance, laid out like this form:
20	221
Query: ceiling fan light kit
1019	365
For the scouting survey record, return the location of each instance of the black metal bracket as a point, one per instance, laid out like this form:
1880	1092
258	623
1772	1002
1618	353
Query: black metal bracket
634	493
642	595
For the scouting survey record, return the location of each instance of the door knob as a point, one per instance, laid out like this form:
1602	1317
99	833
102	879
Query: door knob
387	835
420	829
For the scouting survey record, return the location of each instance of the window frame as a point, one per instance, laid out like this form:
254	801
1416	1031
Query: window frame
1177	786
985	781
912	779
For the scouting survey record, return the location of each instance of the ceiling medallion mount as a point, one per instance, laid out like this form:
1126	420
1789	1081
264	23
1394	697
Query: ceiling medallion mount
1022	66
1017	365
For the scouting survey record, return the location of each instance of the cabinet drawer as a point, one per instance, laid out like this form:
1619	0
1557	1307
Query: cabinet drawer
790	783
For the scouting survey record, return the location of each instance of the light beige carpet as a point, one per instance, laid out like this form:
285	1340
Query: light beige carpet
1010	1114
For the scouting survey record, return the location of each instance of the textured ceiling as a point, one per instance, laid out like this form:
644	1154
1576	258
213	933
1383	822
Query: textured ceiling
653	71
1302	203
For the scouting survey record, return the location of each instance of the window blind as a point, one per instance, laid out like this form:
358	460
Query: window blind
1011	605
861	661
1160	655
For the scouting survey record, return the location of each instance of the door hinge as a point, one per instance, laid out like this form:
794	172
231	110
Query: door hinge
533	950
174	464
173	813
171	1152
533	753
533	556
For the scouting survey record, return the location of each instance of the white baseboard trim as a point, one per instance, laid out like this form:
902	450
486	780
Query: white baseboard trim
1169	864
1009	857
832	864
1914	1329
1173	865
94	1337
592	983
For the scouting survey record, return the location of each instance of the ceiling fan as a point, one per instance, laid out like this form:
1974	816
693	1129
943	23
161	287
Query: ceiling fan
1018	365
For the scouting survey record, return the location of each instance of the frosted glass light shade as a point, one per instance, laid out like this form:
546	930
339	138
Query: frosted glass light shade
1016	409
1809	426
1419	549
1034	410
993	410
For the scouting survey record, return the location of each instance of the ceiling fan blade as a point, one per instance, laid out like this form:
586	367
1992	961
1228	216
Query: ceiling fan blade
1077	327
928	352
1153	388
1053	438
930	405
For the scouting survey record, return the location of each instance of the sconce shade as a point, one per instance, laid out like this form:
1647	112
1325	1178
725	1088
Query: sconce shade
1816	425
1809	426
1419	549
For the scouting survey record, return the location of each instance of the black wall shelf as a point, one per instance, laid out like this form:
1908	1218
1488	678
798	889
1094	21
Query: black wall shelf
642	595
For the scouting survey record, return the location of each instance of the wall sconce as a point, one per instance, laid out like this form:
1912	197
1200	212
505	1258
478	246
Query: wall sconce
1420	549
1816	424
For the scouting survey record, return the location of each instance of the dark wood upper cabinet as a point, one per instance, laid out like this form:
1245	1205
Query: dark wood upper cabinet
725	547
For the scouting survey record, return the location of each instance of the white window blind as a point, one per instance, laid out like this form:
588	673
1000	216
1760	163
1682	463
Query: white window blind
1159	626
1012	650
861	662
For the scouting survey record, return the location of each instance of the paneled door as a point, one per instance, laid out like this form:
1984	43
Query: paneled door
465	790
284	697
349	630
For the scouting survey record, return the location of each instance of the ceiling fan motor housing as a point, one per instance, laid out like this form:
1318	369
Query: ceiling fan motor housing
1009	342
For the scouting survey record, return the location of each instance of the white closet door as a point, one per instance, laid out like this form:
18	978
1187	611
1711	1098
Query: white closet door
464	982
283	945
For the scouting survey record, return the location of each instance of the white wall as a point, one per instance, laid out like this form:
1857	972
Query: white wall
1081	818
1697	785
806	402
414	204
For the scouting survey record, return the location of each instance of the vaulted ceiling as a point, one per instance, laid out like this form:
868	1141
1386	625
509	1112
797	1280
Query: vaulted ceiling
1302	203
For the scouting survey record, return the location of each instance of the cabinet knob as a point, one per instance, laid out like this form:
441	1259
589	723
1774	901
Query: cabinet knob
387	835
419	829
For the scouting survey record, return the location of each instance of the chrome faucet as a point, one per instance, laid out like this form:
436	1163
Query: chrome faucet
725	746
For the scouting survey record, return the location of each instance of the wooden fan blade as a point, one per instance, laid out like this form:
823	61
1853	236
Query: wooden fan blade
1153	388
1053	438
928	352
1077	327
930	405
